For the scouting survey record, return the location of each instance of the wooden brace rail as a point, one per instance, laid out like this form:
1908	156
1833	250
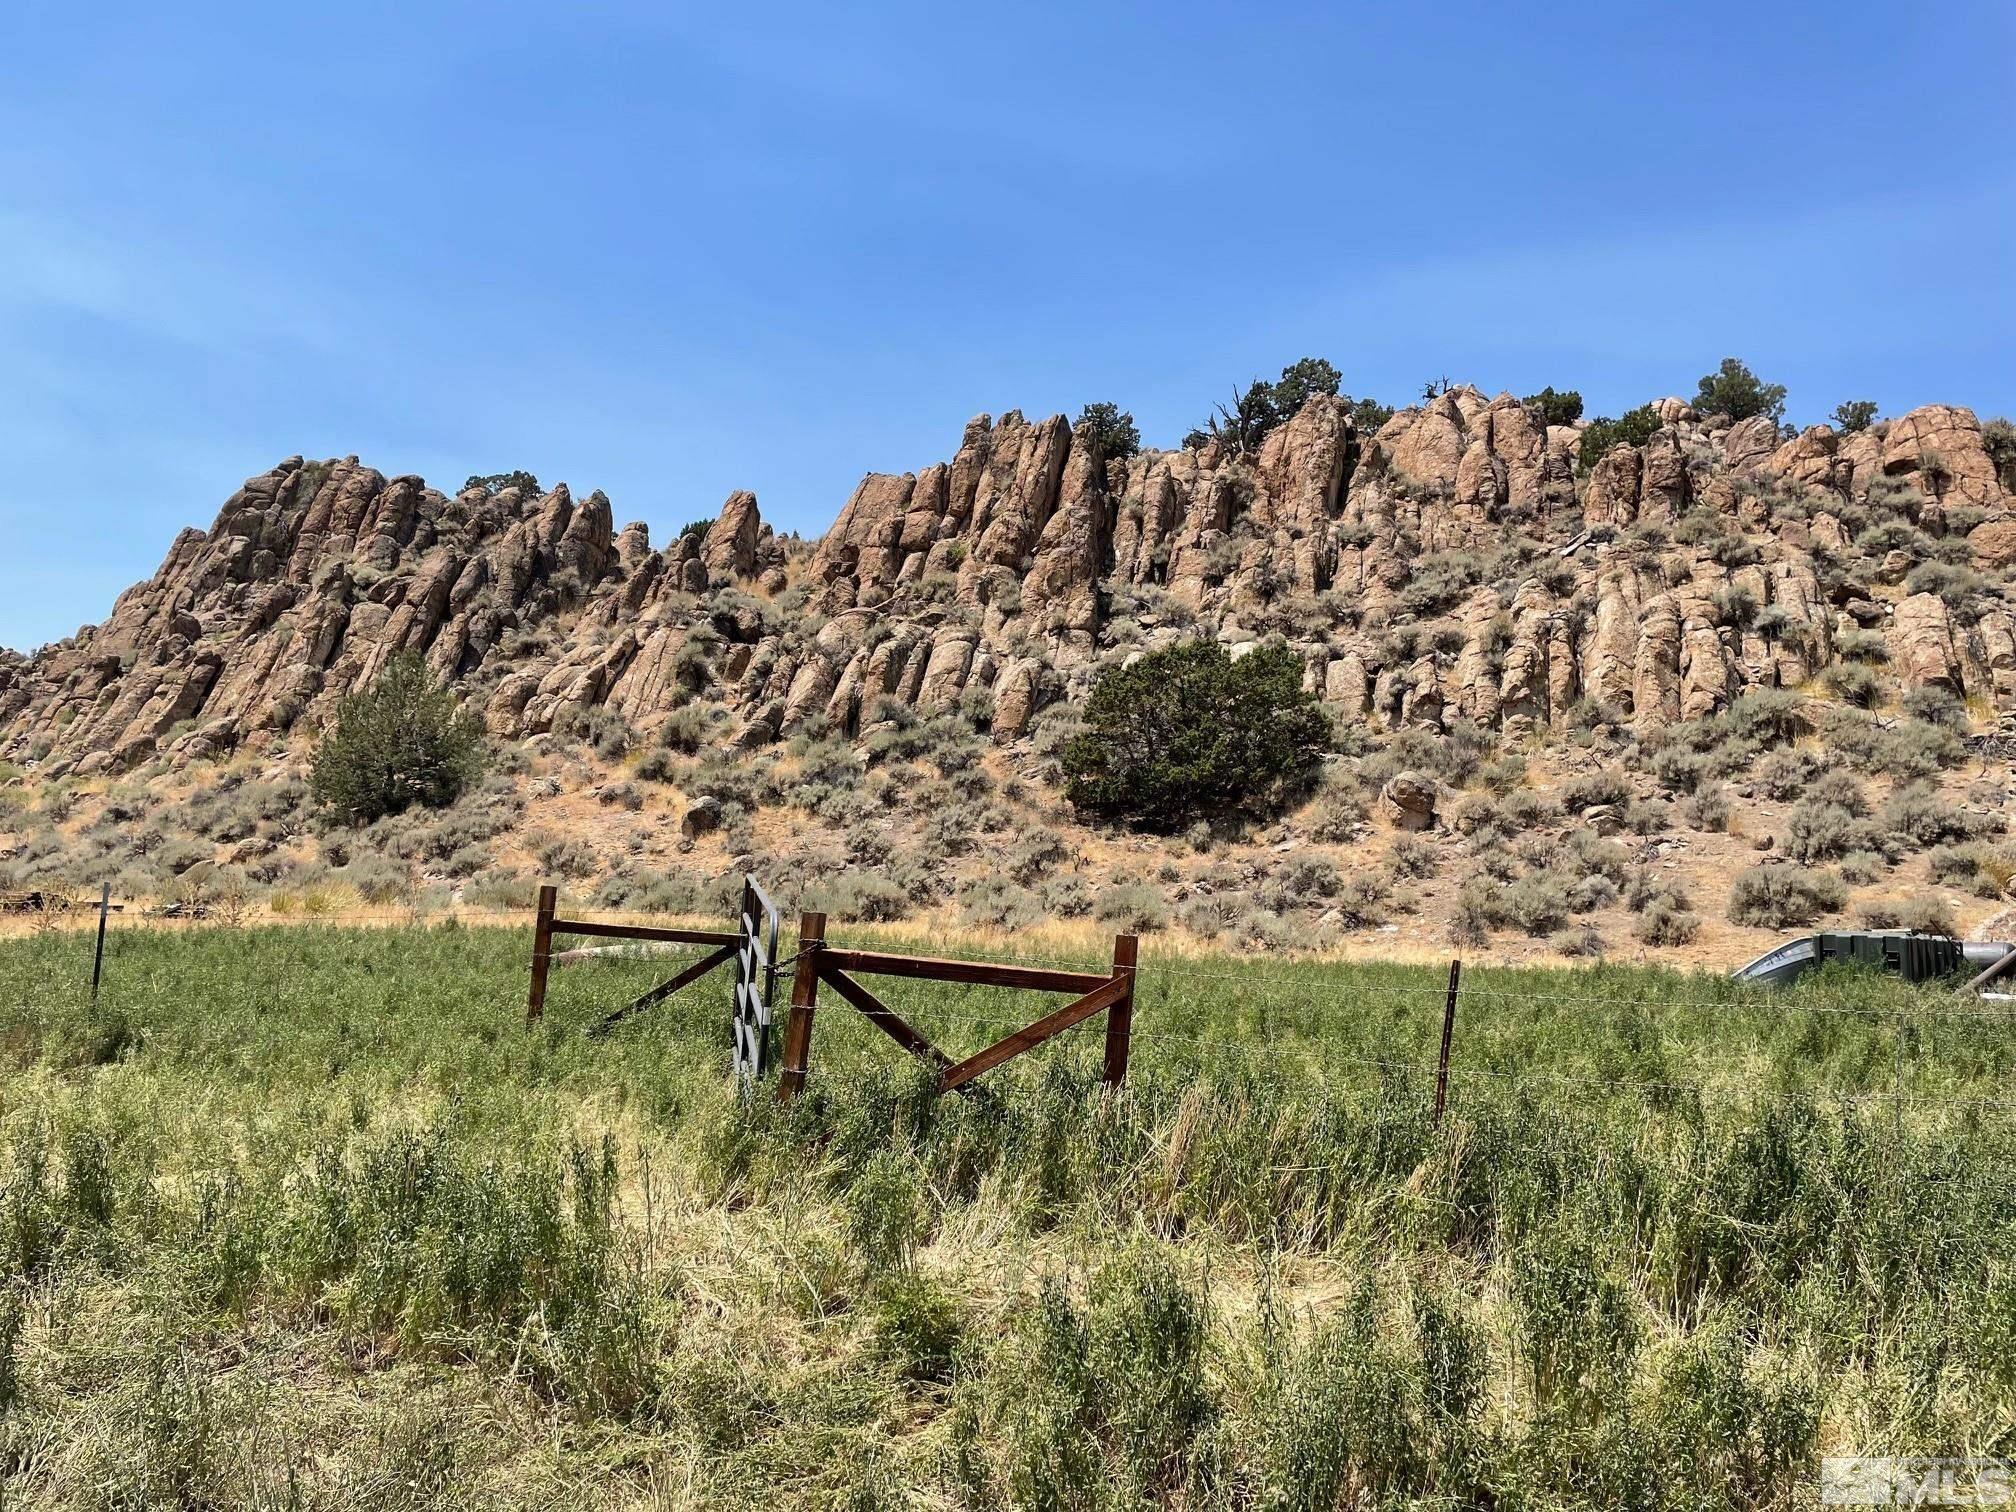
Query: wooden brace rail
546	926
1111	992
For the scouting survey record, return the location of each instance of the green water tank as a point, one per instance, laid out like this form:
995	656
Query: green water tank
1914	957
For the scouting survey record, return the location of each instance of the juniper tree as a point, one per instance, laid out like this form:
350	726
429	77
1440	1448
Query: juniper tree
403	741
1187	733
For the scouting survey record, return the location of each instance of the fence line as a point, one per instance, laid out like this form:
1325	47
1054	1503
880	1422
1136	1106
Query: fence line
1326	1056
1153	968
1297	1009
1322	1004
1427	1069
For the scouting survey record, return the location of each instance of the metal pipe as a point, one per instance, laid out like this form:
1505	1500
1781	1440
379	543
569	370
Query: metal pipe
2001	967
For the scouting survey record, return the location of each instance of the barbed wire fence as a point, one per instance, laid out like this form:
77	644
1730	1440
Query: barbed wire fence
1289	1016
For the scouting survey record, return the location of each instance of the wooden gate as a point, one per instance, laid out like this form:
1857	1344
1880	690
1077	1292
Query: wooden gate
1111	993
725	945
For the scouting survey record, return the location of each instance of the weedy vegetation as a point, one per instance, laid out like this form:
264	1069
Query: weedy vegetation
307	1217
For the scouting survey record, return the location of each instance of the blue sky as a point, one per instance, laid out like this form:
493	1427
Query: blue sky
671	251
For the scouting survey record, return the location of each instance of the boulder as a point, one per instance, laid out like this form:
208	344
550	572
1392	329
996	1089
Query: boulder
1408	800
1749	443
1922	649
729	547
1014	700
1603	818
1994	543
702	817
1941	448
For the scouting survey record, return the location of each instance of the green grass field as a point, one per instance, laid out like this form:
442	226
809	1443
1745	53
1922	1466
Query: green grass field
306	1217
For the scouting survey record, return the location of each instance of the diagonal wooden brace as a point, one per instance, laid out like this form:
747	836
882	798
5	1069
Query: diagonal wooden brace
882	1016
1105	995
664	990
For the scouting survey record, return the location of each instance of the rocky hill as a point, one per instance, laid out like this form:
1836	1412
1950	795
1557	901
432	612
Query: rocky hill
1452	565
1456	575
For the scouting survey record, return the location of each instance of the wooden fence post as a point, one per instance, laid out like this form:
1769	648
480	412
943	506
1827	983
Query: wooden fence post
542	952
804	995
1448	1033
1120	1017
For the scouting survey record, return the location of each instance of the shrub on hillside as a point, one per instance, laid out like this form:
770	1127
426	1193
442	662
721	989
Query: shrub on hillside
1588	893
1909	751
403	741
1470	919
686	730
861	897
1263	405
1854	683
1066	896
1998	436
1337	816
1772	717
1301	884
1596	789
1415	857
1782	897
1551	408
1666	923
563	855
1962	588
1035	854
1679	770
493	484
1840	789
1361	901
1506	775
1926	916
1650	816
1936	706
1733	390
996	903
1817	831
728	781
1709	809
377	880
1923	817
1488	820
1538	903
1634	428
1645	889
1784	774
1108	428
1985	870
620	794
1585	853
1132	908
1189	733
608	733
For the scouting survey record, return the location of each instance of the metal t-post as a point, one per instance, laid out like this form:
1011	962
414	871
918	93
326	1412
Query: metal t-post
98	957
1448	1033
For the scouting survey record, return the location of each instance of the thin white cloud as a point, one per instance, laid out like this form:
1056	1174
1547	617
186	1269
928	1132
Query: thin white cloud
166	292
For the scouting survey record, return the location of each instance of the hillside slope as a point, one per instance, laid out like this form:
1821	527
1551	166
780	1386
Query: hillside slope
1479	611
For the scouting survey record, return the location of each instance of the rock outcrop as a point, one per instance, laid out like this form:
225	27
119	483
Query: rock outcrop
1455	565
